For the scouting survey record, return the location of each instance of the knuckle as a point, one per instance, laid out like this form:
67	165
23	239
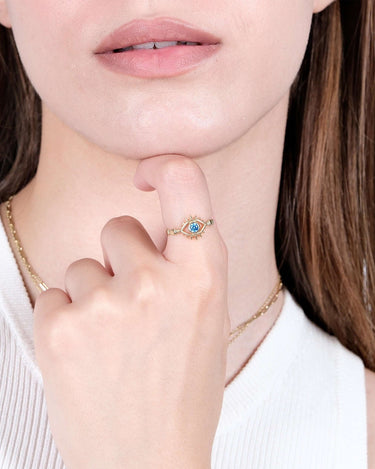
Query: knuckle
144	285
217	258
48	304
181	170
56	336
207	281
115	225
209	290
100	299
44	298
102	306
76	266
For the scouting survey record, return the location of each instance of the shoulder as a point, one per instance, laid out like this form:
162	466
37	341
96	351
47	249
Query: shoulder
370	396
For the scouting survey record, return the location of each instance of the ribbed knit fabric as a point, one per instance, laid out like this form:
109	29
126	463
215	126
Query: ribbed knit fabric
299	403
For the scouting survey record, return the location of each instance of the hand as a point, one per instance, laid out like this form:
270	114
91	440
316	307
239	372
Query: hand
133	354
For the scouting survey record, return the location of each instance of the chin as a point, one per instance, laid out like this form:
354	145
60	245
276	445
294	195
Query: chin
190	143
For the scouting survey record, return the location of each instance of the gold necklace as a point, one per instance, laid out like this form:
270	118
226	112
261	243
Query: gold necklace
41	286
36	279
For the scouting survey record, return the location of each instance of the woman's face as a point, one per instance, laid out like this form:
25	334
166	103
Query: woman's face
199	112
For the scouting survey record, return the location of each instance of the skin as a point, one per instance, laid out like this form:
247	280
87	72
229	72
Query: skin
108	141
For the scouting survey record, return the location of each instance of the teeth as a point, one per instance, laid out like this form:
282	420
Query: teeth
146	45
158	45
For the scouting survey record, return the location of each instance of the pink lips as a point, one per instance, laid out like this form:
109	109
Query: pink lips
156	63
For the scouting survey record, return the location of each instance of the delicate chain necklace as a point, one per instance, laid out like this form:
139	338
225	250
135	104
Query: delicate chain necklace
41	286
36	279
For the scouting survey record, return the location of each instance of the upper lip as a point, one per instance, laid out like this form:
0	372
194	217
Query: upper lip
157	30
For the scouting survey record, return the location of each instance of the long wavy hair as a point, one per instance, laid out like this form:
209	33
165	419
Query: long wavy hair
325	223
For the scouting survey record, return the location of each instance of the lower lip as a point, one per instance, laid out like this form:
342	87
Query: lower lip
157	63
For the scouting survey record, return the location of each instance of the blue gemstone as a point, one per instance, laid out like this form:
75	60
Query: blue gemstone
194	227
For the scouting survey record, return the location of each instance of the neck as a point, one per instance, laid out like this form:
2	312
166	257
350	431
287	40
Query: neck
79	187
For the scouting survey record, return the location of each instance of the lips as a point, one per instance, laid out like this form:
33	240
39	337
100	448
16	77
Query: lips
157	30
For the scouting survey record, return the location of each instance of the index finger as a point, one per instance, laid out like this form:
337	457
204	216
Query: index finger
183	193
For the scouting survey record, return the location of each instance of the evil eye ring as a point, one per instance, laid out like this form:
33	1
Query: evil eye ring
192	227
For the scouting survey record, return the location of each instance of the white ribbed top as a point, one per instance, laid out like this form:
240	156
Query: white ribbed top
299	403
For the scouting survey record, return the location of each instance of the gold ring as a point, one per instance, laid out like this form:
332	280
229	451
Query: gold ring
192	227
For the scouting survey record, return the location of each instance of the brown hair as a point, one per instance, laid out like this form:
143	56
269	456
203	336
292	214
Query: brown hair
325	233
325	224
